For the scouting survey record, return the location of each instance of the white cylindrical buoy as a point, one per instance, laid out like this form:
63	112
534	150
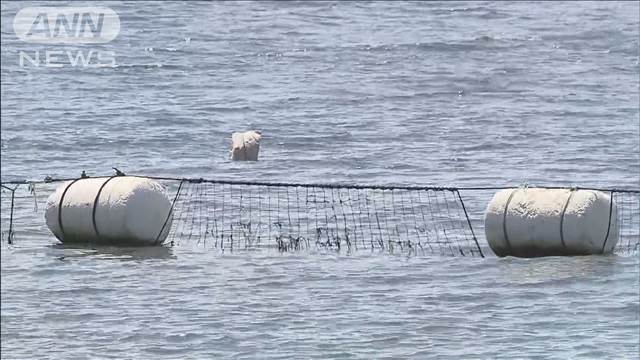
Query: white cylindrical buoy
530	222
119	210
245	146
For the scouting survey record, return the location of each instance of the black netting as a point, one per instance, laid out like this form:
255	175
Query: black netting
229	215
291	217
628	206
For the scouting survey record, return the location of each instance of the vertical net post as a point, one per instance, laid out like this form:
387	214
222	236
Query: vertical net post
10	236
170	212
13	195
466	215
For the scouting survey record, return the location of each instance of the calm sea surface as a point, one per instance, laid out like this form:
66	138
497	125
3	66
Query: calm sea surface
450	93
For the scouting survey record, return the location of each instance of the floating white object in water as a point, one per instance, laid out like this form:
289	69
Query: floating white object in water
120	210
530	222
245	145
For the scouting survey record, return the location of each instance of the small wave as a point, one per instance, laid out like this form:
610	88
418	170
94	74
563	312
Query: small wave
481	43
146	66
485	38
164	49
224	109
481	12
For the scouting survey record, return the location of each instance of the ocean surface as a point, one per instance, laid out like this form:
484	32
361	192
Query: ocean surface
420	93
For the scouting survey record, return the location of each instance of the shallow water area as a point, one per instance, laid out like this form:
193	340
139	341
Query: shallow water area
173	301
421	93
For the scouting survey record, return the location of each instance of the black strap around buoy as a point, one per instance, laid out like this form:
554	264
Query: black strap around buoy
504	221
64	193
608	226
244	148
564	209
95	206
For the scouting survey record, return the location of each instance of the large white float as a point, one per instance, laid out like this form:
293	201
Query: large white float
119	210
245	146
530	222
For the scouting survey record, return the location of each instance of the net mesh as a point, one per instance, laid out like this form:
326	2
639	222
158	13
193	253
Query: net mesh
229	215
303	217
628	206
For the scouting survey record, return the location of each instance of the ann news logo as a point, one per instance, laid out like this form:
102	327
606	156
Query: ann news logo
67	26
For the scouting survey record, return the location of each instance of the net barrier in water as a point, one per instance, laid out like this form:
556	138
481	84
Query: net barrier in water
230	215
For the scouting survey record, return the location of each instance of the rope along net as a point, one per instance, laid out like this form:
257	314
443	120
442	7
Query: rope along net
234	215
